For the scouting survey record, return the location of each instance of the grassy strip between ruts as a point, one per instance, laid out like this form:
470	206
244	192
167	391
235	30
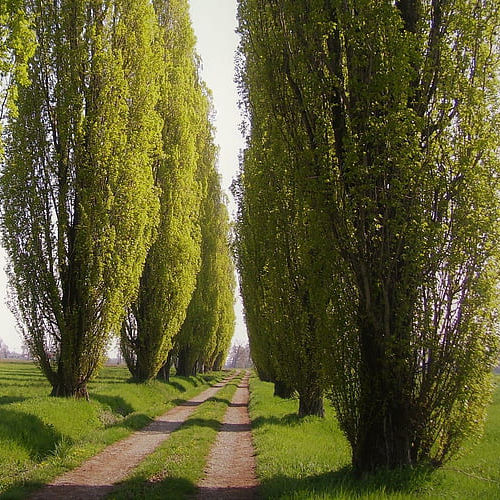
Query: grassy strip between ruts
177	465
310	459
42	437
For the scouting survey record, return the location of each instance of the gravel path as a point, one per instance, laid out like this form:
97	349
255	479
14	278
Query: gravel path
230	472
96	477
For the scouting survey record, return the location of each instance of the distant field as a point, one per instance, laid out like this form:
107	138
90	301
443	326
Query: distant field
42	436
309	459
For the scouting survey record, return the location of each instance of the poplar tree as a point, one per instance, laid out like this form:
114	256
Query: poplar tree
79	206
225	283
173	261
226	315
390	112
17	45
283	302
204	333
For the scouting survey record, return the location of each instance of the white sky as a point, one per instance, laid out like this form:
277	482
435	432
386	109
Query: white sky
214	23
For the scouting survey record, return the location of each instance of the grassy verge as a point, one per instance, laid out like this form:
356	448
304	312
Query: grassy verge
42	437
175	468
309	459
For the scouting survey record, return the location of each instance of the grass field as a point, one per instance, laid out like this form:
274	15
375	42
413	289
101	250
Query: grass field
42	436
309	459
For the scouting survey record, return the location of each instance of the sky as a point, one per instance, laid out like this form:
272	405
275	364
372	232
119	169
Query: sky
214	23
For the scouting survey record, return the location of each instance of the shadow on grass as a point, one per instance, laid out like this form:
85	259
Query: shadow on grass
21	490
177	488
177	386
155	488
291	419
220	400
109	380
27	380
116	403
195	381
345	483
5	400
134	421
229	493
29	432
185	402
202	422
26	374
38	491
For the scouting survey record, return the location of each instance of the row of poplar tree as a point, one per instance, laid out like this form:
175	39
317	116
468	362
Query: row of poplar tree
113	216
368	225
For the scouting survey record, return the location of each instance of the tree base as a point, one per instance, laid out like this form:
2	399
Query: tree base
311	405
62	391
282	390
164	373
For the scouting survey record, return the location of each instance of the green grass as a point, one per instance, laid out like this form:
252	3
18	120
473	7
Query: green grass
310	459
177	465
42	437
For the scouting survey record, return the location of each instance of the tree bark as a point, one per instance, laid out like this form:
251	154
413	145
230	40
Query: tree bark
217	366
63	390
282	390
385	425
311	402
385	441
185	365
164	373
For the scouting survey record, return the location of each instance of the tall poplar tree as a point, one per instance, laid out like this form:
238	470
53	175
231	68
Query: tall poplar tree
216	358
390	112
283	302
17	45
169	276
79	205
203	336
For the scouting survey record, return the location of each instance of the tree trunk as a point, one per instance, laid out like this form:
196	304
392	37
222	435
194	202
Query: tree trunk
311	402
164	373
384	441
185	366
64	390
282	390
217	366
385	426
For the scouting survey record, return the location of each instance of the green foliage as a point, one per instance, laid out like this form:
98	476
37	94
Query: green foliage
209	325
173	261
284	287
79	207
41	437
309	458
375	126
17	45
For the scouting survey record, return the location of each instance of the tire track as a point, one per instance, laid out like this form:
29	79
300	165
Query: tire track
230	471
96	477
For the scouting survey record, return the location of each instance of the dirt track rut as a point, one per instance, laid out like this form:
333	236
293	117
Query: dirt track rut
230	471
96	477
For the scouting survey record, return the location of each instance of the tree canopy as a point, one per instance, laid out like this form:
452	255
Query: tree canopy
375	125
182	254
79	206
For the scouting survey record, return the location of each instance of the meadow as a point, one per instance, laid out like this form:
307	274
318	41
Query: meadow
310	459
42	437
